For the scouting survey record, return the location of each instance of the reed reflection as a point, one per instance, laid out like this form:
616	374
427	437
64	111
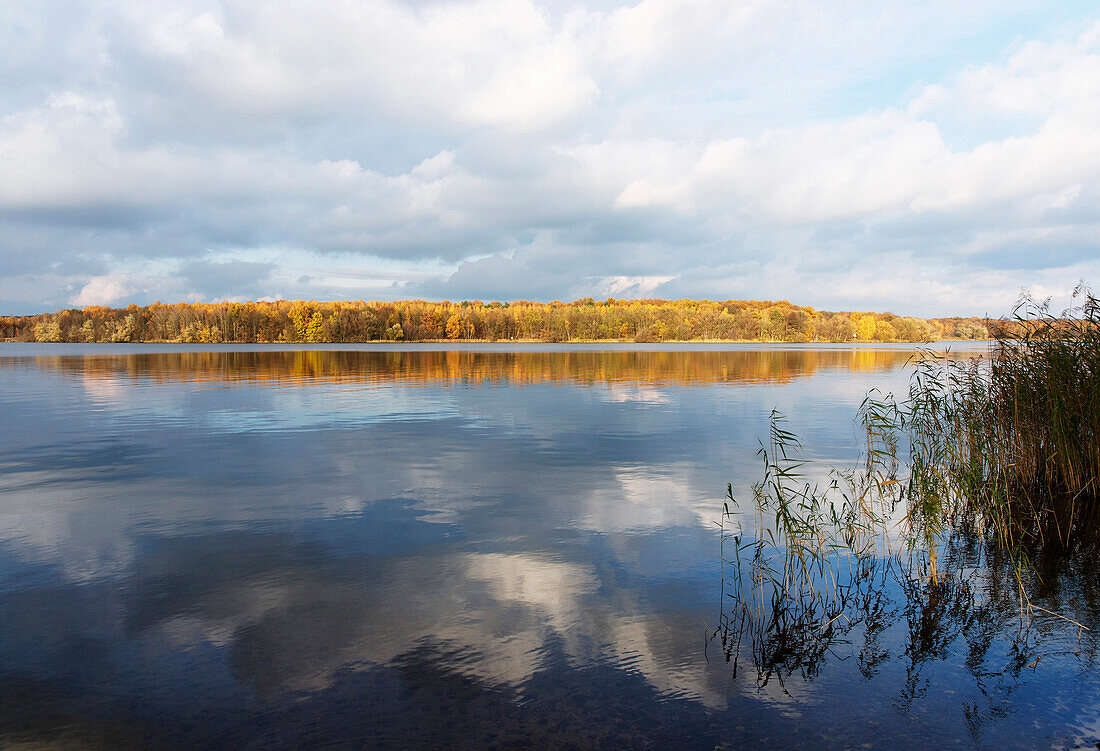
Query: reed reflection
825	569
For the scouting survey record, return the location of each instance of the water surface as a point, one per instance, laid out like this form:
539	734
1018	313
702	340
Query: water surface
421	547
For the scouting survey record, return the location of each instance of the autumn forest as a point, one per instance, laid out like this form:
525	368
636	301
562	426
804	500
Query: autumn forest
419	320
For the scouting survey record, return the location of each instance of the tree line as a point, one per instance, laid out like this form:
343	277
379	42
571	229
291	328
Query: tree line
421	320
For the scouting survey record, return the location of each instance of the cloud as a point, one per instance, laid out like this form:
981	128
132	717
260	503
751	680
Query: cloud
889	160
490	62
228	279
633	286
103	290
514	148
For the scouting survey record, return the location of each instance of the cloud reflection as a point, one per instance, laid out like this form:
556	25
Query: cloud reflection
516	552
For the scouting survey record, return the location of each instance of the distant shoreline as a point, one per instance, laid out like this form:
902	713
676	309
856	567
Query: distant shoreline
585	320
400	343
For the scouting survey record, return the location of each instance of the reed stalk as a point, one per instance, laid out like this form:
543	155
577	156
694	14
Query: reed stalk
1003	450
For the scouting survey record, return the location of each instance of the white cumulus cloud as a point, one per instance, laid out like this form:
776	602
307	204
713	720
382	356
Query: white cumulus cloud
537	149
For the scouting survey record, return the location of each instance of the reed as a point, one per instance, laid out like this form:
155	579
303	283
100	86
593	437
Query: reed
1008	446
1032	433
1002	452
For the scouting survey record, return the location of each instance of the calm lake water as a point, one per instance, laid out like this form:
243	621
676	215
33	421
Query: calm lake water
429	548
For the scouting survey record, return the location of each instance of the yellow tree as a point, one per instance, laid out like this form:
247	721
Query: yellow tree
308	324
458	327
865	327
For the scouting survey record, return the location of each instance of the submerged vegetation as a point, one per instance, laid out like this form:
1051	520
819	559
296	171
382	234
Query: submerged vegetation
419	320
977	495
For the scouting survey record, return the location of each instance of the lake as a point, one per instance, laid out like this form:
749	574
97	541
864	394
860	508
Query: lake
456	547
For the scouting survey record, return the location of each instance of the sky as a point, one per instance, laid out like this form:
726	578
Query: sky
927	158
